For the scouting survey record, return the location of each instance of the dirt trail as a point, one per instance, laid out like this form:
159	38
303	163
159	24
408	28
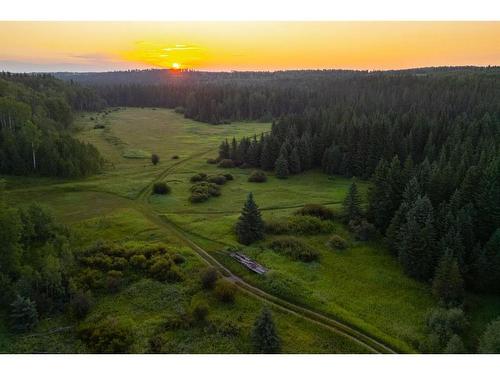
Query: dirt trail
370	343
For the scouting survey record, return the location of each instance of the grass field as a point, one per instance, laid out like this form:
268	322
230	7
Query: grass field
362	286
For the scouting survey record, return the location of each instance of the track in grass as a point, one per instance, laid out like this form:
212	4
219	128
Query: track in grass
334	325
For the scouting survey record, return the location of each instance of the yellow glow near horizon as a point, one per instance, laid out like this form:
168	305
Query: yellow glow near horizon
81	46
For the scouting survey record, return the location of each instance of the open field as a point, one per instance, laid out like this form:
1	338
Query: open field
362	286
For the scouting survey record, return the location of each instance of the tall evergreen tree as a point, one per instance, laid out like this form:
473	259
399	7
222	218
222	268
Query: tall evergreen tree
250	227
264	335
351	206
294	162
418	240
448	285
281	167
24	315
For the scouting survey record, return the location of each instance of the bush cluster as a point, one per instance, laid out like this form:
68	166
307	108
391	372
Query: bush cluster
316	210
225	291
109	336
336	242
198	177
257	176
161	188
298	224
201	191
294	249
362	230
212	161
107	266
226	163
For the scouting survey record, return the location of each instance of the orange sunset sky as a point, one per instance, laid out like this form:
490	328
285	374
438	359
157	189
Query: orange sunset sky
103	46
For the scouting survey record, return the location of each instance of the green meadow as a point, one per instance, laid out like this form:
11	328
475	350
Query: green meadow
362	286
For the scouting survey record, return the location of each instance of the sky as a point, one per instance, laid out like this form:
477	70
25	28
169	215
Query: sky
226	46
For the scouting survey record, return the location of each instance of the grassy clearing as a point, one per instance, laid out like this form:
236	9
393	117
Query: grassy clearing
362	285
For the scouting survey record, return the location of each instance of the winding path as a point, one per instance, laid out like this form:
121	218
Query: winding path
141	203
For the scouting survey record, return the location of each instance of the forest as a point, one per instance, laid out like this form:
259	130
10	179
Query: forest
36	114
412	158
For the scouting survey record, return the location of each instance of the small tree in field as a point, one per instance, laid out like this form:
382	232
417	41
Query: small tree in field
155	159
250	227
281	168
351	206
264	336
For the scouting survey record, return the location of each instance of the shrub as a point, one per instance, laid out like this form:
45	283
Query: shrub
294	248
156	344
257	176
197	197
212	161
316	210
490	340
198	177
297	224
282	286
203	190
108	336
208	278
226	163
178	259
337	243
81	303
138	261
161	188
229	176
114	280
159	266
225	291
155	159
179	109
363	231
218	180
199	310
175	157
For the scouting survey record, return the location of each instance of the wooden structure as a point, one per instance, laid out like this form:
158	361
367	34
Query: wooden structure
248	263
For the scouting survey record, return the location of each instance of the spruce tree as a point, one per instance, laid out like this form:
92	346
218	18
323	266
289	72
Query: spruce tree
24	315
448	285
250	227
294	162
351	207
281	167
264	336
418	240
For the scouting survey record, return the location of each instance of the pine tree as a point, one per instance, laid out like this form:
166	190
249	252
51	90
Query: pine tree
24	315
281	167
264	336
224	150
418	240
294	162
351	206
250	227
448	285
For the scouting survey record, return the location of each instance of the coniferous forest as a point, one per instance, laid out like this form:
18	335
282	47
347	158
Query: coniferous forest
428	140
326	167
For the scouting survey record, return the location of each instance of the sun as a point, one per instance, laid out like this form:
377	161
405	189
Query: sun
176	65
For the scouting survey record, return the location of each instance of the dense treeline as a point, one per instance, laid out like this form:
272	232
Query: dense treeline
36	112
433	155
